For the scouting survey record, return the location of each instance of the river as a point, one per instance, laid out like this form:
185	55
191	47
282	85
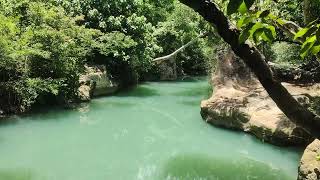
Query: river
151	132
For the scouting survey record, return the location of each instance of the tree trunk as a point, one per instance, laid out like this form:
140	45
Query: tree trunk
256	62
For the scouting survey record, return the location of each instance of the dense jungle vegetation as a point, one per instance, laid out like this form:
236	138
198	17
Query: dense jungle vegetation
45	45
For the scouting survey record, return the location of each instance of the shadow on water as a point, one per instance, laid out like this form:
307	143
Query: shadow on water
139	91
203	167
16	174
192	79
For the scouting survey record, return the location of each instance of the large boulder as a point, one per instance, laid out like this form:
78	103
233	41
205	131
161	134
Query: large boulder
309	168
251	110
239	102
96	82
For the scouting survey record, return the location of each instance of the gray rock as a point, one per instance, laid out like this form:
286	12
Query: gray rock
96	82
309	168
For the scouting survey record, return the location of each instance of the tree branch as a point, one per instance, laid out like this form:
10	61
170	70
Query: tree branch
256	62
170	56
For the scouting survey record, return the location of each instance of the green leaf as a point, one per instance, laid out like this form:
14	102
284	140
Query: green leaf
315	49
256	26
245	34
301	33
273	17
281	21
307	45
269	35
233	6
272	30
257	34
244	21
243	8
311	31
305	32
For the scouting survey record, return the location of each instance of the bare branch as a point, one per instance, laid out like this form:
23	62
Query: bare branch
172	55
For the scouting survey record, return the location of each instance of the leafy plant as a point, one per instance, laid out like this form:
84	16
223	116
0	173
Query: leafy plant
260	26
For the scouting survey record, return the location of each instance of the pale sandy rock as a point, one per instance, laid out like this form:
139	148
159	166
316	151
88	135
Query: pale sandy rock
309	168
240	102
95	82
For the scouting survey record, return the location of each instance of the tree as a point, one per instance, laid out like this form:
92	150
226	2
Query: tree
256	62
43	52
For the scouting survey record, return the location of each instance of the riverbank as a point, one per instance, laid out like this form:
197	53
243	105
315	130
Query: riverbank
239	102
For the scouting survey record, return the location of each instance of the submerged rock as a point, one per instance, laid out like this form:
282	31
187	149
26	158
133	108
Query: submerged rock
239	102
95	82
309	168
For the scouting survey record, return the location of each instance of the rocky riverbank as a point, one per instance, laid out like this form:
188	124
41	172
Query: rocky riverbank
239	102
250	109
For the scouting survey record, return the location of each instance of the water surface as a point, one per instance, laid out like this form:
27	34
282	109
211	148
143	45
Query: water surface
152	132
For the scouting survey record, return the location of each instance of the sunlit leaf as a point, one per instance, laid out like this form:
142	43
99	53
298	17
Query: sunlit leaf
257	34
315	49
243	8
301	33
244	21
307	45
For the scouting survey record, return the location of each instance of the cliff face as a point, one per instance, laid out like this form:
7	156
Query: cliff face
239	102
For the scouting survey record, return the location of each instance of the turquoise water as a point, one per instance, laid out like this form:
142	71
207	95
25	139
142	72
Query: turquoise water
152	132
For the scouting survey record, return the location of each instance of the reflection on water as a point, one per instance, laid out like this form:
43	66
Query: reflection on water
139	91
205	167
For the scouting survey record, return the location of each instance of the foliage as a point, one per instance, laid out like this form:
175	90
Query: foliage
42	52
182	26
286	53
261	26
44	44
290	10
128	24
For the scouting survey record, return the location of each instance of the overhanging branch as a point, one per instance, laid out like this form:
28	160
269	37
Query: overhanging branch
256	62
172	55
